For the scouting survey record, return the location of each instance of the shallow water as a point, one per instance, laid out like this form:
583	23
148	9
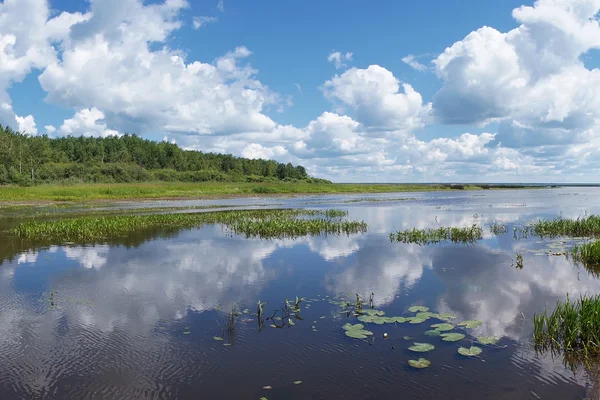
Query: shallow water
135	318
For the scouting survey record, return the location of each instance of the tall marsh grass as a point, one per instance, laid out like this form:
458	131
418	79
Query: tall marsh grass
265	224
580	227
572	326
456	235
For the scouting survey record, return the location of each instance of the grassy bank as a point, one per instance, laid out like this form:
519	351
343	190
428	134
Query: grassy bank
167	190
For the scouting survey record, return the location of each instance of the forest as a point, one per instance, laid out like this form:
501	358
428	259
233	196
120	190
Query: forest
31	160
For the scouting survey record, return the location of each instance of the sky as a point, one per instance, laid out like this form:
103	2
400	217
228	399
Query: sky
392	91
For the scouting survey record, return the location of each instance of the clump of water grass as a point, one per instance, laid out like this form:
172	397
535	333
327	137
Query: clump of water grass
572	326
466	235
580	227
587	253
497	229
265	224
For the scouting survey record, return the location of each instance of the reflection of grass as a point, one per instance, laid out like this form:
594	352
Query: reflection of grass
443	234
252	223
572	326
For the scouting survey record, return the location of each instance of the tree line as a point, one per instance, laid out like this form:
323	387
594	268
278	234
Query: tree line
28	160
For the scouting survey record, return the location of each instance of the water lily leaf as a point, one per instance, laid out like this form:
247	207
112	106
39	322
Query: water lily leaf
424	315
400	320
470	324
433	333
350	327
367	319
380	313
217	338
489	340
323	317
273	326
470	352
443	327
452	337
263	398
297	382
420	363
373	312
445	317
389	320
358	333
415	320
421	347
418	309
187	332
407	338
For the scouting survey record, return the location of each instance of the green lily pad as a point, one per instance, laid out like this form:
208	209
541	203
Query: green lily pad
445	317
452	337
418	309
421	347
471	352
415	320
217	338
348	327
187	332
433	332
357	333
297	382
407	338
489	340
443	327
372	312
420	363
400	320
470	324
424	315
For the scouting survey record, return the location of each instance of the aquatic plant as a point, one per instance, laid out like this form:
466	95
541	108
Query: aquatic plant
421	347
452	337
487	340
519	264
466	235
587	253
497	229
356	331
470	324
470	352
420	363
572	326
580	227
266	224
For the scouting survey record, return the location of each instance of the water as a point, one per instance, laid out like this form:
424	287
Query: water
135	318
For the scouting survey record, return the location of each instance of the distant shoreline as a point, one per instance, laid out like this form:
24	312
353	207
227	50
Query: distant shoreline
86	193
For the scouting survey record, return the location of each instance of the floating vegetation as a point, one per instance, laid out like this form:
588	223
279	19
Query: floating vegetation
455	235
445	317
497	229
218	338
443	327
416	320
572	326
415	309
487	340
266	224
297	382
470	352
420	363
421	347
452	337
356	331
433	333
519	264
470	324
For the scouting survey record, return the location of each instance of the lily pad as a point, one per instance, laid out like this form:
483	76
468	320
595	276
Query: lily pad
418	309
470	324
415	320
489	340
420	363
445	317
400	320
357	333
297	382
424	315
452	337
407	338
471	352
372	312
421	347
443	327
433	332
217	338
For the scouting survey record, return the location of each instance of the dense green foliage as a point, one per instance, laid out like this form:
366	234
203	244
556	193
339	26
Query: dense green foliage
26	160
422	237
580	227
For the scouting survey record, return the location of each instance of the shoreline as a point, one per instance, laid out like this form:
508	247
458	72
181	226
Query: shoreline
48	195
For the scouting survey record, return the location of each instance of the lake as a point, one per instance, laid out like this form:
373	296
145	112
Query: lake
145	316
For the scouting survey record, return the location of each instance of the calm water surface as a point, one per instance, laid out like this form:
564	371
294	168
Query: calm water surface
134	318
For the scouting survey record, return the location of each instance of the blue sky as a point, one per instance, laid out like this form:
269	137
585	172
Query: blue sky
421	91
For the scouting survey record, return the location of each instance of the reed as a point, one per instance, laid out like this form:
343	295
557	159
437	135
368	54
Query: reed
580	227
422	237
587	253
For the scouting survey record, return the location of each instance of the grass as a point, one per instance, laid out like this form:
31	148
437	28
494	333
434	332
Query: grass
580	227
265	224
587	253
572	326
422	237
162	190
